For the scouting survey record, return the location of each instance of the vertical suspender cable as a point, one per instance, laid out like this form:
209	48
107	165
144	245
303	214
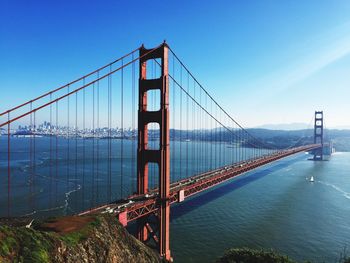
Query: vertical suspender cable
211	136
240	145
207	127
187	125
245	146
172	172
92	204
181	172
153	125
56	154
232	145
8	166
76	151
215	138
133	151
31	160
34	160
50	187
195	131
220	139
98	140
83	181
200	127
156	177
110	139
122	130
68	151
243	143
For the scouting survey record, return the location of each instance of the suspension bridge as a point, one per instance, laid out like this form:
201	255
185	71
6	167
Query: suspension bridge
129	138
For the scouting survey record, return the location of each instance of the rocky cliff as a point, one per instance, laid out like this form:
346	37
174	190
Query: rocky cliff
71	239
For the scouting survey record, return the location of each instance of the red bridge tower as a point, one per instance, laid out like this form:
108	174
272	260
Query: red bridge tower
147	229
318	135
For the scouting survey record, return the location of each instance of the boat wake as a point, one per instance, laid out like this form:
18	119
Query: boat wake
63	207
45	210
66	200
345	194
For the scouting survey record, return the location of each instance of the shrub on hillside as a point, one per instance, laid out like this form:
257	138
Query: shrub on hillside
247	255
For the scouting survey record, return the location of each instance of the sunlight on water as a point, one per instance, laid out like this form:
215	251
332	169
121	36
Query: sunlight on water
278	207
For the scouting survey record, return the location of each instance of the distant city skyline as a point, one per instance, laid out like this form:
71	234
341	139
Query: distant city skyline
266	63
130	131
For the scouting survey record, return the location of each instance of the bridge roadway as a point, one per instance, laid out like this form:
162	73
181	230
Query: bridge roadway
137	206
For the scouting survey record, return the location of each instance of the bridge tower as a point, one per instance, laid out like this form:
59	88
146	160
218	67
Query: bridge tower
147	230
318	135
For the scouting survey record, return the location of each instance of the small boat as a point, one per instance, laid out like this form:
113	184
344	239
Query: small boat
312	179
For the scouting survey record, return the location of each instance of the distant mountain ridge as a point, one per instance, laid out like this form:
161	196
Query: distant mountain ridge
296	126
285	126
274	138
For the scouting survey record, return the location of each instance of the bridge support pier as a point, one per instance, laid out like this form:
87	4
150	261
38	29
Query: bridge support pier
318	135
160	156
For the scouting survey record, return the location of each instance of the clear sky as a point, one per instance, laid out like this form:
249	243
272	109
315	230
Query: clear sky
265	61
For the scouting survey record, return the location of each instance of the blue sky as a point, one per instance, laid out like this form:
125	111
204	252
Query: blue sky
265	61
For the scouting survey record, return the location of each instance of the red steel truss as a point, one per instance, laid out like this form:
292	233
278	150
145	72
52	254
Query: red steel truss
199	183
142	205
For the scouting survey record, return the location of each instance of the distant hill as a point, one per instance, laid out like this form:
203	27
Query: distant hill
342	128
285	126
273	138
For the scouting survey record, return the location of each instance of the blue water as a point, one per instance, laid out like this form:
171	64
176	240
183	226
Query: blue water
273	207
84	173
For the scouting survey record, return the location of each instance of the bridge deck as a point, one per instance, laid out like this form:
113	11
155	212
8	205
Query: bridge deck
137	206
